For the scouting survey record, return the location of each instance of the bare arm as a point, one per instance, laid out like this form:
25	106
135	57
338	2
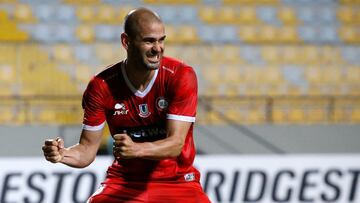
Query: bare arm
169	147
77	156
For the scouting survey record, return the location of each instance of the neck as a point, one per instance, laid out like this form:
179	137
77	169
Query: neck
138	76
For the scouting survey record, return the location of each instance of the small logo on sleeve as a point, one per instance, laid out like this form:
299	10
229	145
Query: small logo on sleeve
144	110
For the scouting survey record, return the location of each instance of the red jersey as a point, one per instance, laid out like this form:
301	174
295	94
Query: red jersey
171	94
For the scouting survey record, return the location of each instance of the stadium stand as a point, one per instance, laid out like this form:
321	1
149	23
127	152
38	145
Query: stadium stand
241	49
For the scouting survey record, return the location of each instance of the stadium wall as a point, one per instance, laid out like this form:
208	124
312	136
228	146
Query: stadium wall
254	139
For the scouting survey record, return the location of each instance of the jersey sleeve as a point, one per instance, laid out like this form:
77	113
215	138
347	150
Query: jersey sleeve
183	99
94	108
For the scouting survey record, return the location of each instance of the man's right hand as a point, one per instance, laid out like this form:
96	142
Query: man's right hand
54	150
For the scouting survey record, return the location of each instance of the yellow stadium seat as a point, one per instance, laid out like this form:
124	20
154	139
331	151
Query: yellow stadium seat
310	55
86	13
317	116
64	53
227	15
106	14
314	75
256	116
350	34
229	54
82	2
288	34
7	115
289	54
332	75
331	55
346	14
249	34
208	14
85	33
287	15
247	15
186	34
211	74
271	54
271	75
235	115
46	116
296	115
214	118
23	13
355	115
105	53
7	73
352	75
122	12
171	1
268	34
9	32
231	74
82	73
279	115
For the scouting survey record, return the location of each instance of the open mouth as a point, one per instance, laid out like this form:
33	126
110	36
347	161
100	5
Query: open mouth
154	58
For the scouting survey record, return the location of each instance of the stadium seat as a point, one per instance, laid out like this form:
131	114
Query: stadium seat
288	35
208	14
249	34
186	34
227	15
247	15
346	14
7	74
349	34
85	33
86	14
63	53
23	13
106	14
287	15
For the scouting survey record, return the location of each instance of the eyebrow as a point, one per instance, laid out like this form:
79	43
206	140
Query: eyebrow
153	38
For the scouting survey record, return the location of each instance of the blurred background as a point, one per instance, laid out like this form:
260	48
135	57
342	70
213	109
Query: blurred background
275	76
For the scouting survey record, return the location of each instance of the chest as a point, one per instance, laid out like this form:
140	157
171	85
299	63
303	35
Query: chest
125	109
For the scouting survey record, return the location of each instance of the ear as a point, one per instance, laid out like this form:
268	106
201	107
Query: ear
125	40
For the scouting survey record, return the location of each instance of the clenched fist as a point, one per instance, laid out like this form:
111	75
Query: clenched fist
54	150
124	147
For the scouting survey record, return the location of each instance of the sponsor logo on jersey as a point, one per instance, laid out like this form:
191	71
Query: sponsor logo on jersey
189	177
161	103
144	110
120	109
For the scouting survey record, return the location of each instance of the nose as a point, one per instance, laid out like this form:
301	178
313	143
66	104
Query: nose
157	47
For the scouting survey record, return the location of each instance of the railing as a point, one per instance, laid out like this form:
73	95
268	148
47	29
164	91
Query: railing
215	110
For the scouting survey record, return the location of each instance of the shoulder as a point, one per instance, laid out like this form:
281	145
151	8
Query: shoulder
176	67
110	72
103	78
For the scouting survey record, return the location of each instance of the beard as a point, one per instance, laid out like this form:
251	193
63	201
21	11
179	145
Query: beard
152	66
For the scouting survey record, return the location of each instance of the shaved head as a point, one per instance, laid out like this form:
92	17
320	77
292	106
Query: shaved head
136	18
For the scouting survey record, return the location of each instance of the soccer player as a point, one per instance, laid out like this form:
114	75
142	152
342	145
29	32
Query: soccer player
149	102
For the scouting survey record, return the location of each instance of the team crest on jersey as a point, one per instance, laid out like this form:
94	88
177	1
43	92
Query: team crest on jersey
161	103
144	110
120	109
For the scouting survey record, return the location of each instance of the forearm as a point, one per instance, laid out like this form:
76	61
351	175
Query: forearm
78	156
161	149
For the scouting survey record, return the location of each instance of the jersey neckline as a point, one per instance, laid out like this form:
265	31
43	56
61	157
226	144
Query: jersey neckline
132	88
